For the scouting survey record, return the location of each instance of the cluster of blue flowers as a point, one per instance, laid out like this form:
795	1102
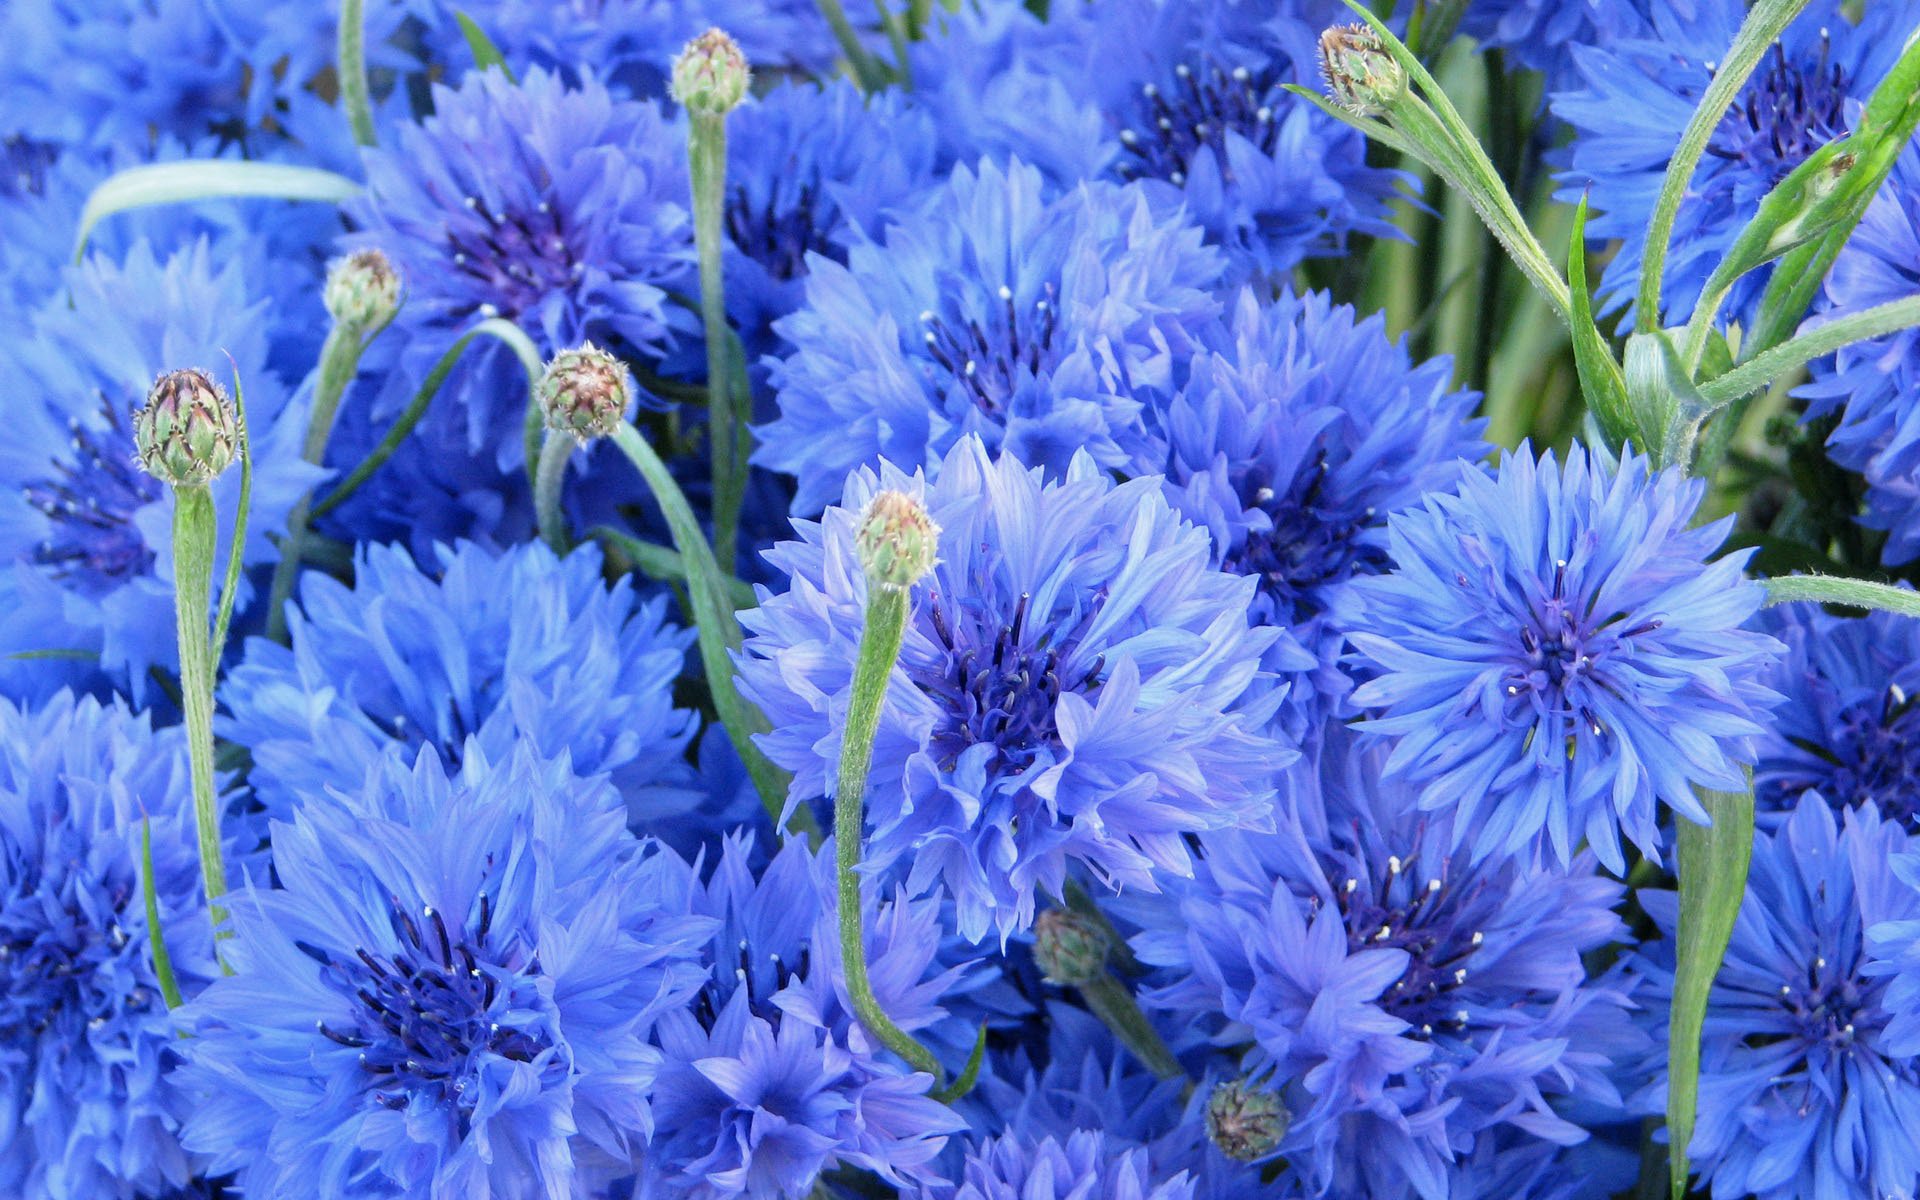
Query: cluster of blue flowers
1273	787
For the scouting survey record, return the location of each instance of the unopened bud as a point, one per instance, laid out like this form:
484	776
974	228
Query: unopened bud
1070	948
1362	75
1245	1122
362	290
584	392
710	74
186	433
898	542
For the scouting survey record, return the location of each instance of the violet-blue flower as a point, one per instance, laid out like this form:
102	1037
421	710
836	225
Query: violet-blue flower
1290	436
479	649
87	535
1081	1166
1640	91
1848	729
997	311
561	208
1554	657
1072	686
1804	1092
89	1103
768	1079
1404	1002
451	993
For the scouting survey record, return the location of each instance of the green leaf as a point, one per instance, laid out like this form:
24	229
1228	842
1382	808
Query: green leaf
156	937
1854	593
485	53
1886	126
718	629
1663	401
206	179
1713	877
1765	21
1601	379
1762	369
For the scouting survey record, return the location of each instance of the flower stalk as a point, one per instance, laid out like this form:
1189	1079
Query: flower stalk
710	80
351	52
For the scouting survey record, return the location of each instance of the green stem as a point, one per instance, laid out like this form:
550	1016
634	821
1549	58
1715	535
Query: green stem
662	563
897	37
339	362
1114	1004
1769	365
1854	593
866	72
559	447
707	159
879	650
719	632
1764	23
194	530
352	69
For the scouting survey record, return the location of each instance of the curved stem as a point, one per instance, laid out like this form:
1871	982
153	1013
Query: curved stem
193	545
339	361
1764	23
552	471
879	650
352	69
1854	593
1769	365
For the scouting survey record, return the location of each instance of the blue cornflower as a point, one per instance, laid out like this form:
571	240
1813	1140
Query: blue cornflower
1404	1002
1293	434
87	534
1639	92
1872	387
1554	656
1081	1166
1541	34
811	170
450	995
89	1103
995	311
1187	95
1071	686
560	208
483	650
768	1080
1804	1094
1848	729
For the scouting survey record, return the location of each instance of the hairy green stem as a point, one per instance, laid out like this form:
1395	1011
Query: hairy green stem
1115	1006
559	447
1768	365
707	160
879	650
1764	23
1854	593
195	527
352	69
339	361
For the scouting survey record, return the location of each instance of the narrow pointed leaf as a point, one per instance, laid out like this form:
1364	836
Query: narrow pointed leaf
207	179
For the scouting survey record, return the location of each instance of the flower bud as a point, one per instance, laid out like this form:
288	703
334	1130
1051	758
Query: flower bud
1069	947
898	542
710	74
1362	75
1245	1122
186	433
362	290
584	392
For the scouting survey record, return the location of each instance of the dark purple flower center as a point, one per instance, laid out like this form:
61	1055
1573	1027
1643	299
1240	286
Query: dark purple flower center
1787	111
52	941
1435	918
1312	539
761	974
89	502
1561	649
998	682
519	259
1871	754
1204	102
1828	1008
427	1015
783	229
990	356
23	166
